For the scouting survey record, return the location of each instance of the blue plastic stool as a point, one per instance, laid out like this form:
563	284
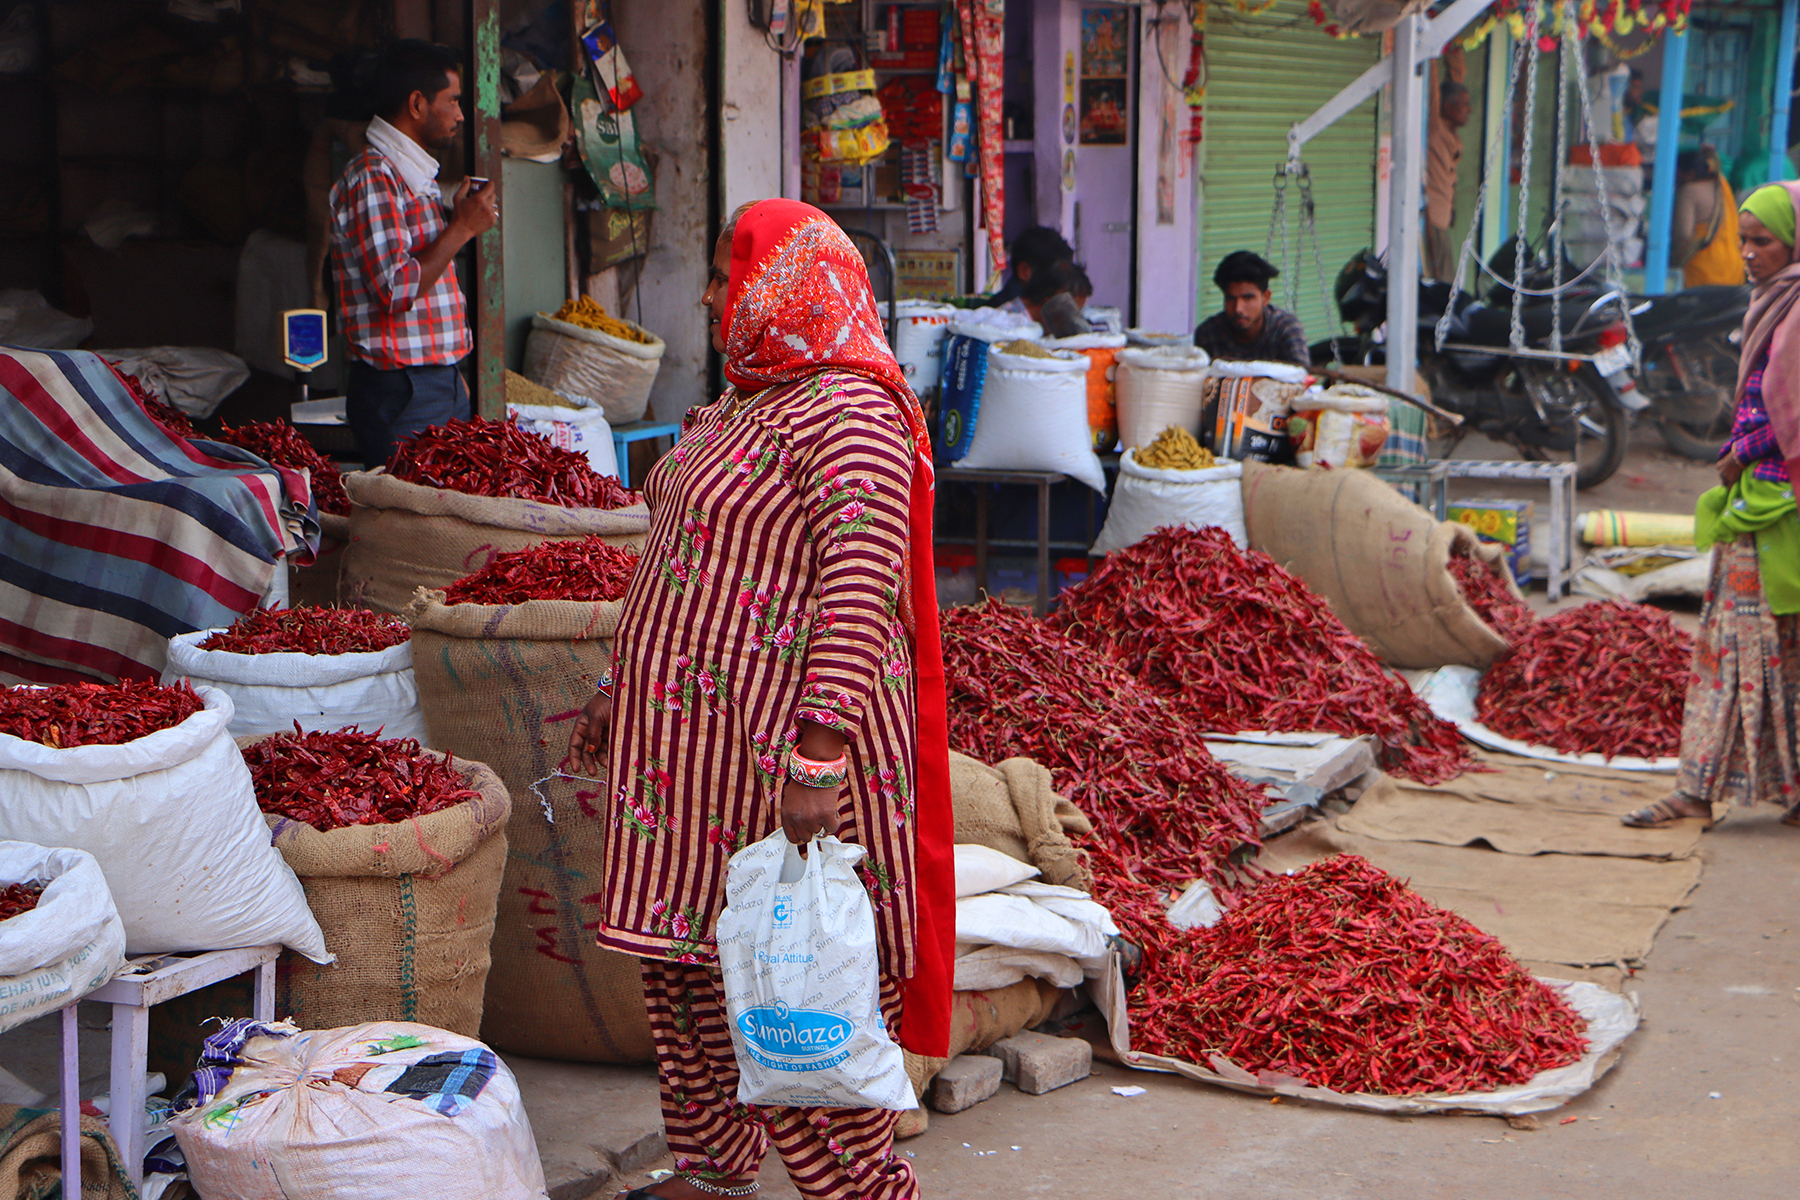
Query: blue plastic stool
638	431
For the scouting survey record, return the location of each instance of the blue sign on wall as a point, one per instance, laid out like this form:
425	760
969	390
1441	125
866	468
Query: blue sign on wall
303	344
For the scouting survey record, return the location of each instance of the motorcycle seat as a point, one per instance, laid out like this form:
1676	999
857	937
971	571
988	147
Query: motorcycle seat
1690	311
1492	326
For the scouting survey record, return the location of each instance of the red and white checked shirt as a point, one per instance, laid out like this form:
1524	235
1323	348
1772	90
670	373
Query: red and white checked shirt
377	227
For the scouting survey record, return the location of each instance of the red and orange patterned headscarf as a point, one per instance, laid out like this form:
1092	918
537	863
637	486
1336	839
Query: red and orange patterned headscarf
798	302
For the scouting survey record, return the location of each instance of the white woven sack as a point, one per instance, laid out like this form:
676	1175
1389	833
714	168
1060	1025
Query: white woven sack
67	946
1281	372
172	820
583	430
270	692
802	976
920	330
1157	387
1088	341
310	1115
1150	337
614	373
1034	418
1147	499
995	325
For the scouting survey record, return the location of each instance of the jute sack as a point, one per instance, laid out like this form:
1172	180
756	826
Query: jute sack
1013	808
501	685
1378	559
977	1021
614	373
31	1157
408	909
404	536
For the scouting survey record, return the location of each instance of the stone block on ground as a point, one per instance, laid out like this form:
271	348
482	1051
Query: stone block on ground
1037	1063
965	1081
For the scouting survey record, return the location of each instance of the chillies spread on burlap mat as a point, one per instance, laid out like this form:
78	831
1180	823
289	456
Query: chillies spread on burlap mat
309	630
579	569
480	457
1237	642
1606	678
95	714
19	898
1342	977
1489	596
280	443
334	780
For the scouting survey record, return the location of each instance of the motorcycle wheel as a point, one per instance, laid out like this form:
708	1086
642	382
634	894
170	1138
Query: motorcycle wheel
1600	446
1717	365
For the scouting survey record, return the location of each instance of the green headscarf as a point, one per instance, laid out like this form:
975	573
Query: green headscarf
1772	205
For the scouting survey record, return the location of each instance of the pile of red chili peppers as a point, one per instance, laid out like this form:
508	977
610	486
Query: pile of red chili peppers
482	457
1342	977
334	780
174	422
19	898
278	442
310	630
1605	678
574	569
67	715
1237	642
1487	593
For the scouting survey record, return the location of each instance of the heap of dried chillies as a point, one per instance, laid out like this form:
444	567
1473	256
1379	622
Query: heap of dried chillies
1164	810
19	898
174	422
67	715
310	630
1342	977
1238	642
280	443
574	569
334	780
1606	678
1486	592
482	457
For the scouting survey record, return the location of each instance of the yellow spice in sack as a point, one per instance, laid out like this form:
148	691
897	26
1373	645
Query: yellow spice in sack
1024	349
1175	449
586	313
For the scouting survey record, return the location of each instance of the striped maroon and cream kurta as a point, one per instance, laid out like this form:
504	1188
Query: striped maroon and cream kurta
767	594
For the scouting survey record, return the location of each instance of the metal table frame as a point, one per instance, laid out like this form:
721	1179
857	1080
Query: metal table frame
639	431
1560	554
1043	481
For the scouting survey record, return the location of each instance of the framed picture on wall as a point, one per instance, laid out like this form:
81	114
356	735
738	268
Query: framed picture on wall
1104	107
928	274
1105	36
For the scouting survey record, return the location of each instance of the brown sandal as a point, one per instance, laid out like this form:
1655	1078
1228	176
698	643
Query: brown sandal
1659	814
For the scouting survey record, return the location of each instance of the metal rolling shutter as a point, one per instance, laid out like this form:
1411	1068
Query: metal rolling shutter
1264	73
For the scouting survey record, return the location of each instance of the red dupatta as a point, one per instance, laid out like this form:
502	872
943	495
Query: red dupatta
799	302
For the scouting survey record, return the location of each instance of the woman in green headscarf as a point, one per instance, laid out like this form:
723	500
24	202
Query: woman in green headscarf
1742	722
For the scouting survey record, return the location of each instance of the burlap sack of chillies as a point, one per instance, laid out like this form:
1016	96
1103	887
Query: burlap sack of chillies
408	909
501	684
1378	559
977	1021
404	536
1013	808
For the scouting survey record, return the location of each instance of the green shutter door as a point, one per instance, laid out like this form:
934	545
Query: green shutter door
1263	74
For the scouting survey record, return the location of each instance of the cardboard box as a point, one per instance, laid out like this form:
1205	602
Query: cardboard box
1507	522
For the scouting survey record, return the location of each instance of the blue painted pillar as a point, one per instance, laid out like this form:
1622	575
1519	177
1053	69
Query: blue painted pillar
1779	167
1668	145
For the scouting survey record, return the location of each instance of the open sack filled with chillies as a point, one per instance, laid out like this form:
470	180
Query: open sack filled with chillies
68	715
17	899
309	630
586	569
1608	678
482	457
1493	597
1238	643
335	780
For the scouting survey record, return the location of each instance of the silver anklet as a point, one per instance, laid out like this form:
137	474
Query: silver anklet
740	1189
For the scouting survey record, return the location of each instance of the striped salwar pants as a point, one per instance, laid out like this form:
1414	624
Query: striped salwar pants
830	1153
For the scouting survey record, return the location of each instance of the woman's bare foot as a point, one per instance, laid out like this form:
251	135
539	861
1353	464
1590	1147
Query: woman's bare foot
1675	807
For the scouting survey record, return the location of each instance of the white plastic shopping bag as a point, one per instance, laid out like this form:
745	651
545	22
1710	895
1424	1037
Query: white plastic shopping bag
802	980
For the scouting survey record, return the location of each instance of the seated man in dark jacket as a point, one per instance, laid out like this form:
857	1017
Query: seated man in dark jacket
1250	328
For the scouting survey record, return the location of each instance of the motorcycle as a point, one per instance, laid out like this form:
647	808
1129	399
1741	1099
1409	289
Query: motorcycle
1571	405
1690	364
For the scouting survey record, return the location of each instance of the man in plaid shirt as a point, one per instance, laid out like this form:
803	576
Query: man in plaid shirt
392	252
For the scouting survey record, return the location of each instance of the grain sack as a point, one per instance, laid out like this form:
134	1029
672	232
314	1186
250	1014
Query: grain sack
1341	426
502	685
1102	353
408	910
583	430
1244	414
1379	560
614	373
31	1157
316	583
1013	808
68	945
404	536
271	692
1146	499
1034	417
1157	387
920	330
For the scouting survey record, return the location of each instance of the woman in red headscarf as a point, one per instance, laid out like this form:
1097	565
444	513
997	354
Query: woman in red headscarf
780	635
